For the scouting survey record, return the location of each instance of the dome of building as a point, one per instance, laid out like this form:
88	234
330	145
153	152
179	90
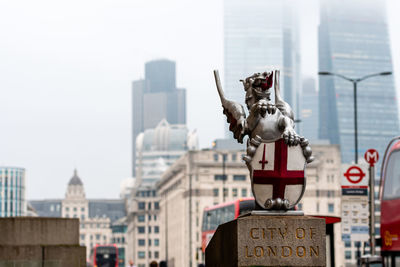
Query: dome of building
75	180
165	137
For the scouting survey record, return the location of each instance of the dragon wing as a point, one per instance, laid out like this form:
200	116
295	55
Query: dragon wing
234	112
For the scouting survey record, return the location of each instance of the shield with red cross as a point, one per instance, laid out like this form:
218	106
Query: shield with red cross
277	171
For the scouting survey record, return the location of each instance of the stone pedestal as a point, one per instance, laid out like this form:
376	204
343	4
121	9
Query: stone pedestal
268	241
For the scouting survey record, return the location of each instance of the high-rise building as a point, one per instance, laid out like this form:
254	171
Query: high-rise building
309	110
261	35
156	150
156	98
12	192
354	42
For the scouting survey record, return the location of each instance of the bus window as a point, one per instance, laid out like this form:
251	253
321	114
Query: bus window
391	188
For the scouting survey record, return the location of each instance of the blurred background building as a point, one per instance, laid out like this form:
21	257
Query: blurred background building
354	42
156	150
155	98
194	182
258	36
96	216
309	110
12	192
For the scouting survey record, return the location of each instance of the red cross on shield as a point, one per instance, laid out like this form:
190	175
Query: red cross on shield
278	172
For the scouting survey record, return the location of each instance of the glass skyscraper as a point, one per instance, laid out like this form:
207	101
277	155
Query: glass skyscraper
354	42
261	35
12	192
156	98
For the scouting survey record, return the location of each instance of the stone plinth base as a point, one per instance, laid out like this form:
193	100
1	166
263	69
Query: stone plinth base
268	241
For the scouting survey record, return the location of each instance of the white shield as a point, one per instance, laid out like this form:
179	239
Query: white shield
278	171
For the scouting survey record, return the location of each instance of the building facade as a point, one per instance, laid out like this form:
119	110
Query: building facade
309	110
96	215
186	188
12	192
261	35
143	230
323	191
156	98
354	42
156	150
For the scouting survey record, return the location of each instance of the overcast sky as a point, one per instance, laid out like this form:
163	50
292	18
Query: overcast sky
66	69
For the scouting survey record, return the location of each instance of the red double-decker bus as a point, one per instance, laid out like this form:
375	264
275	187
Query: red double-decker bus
389	194
104	256
219	214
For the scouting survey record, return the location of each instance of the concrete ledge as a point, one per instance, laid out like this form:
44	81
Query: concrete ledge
54	256
39	231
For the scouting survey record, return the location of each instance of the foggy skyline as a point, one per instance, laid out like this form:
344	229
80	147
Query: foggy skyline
66	74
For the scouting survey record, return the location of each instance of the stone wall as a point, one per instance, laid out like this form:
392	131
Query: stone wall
28	241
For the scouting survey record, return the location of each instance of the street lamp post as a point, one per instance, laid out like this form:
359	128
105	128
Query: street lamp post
355	82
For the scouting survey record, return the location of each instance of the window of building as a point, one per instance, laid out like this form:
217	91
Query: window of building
149	254
347	244
141	229
141	218
75	209
149	218
141	242
234	192
234	157
149	206
51	207
82	236
156	242
239	177
67	209
149	242
156	229
98	236
215	192
156	205
141	254
215	157
82	217
219	177
225	192
331	207
156	254
82	209
155	217
141	205
123	240
244	192
347	255
317	192
149	229
104	238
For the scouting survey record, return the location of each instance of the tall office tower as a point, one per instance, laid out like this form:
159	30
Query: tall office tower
156	98
12	192
354	42
309	110
260	35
